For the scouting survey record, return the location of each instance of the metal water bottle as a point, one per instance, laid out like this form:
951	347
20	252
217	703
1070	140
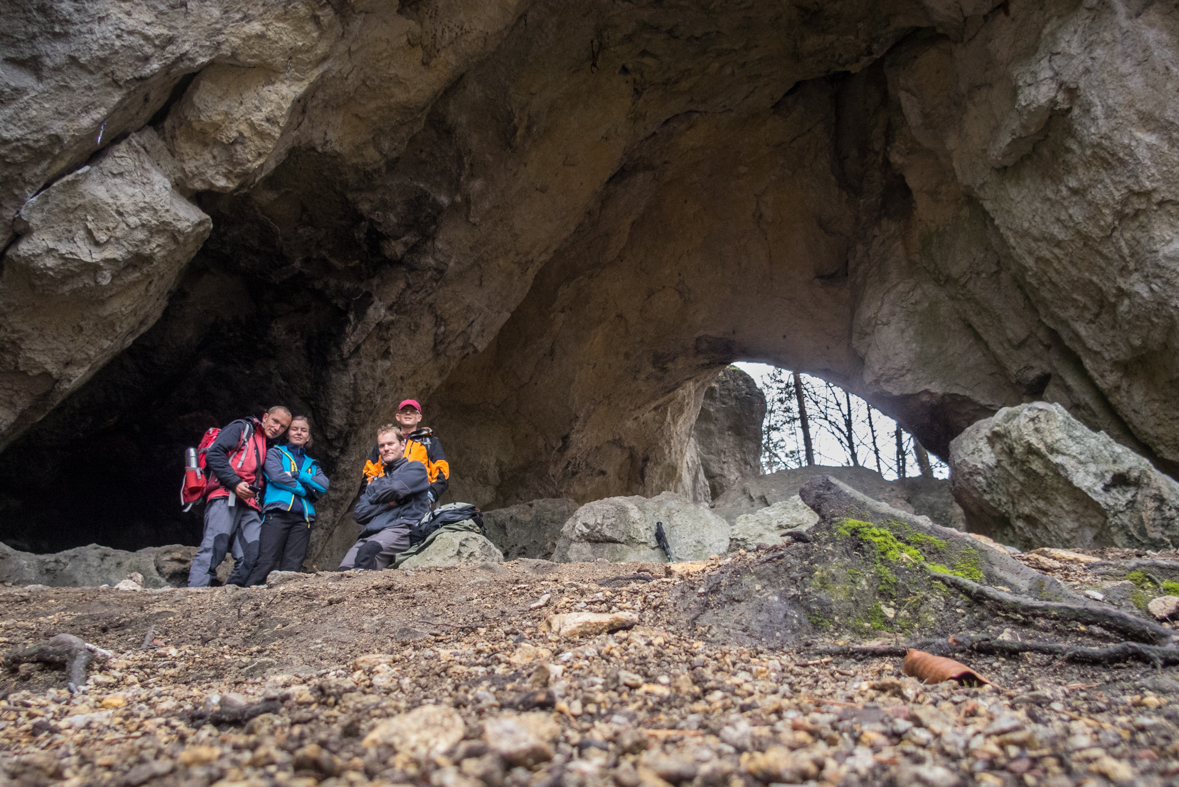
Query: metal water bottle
190	459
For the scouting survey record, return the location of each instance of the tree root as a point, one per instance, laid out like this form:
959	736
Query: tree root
1117	566
1123	623
64	649
1126	651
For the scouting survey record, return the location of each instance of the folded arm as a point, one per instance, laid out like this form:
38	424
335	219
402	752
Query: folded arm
277	474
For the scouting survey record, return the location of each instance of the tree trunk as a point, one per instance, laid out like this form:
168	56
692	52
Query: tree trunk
902	470
803	422
875	445
849	427
922	459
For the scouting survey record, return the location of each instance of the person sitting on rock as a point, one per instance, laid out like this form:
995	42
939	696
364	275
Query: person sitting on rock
294	483
394	500
234	487
420	446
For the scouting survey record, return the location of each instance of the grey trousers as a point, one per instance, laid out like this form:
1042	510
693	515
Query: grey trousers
239	526
376	551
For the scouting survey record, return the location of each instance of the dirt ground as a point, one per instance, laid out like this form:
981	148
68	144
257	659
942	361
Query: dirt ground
305	683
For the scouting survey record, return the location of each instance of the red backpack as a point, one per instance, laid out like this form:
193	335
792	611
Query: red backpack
196	480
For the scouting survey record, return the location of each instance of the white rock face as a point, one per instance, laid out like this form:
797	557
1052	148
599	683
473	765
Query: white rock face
99	251
769	524
622	529
1035	476
453	549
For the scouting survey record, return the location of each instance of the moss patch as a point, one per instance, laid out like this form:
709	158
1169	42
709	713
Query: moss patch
1149	587
918	547
888	546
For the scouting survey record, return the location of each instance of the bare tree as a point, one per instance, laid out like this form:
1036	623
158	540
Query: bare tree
875	445
902	470
922	459
804	423
810	421
779	447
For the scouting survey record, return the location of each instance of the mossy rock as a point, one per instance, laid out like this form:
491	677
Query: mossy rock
868	571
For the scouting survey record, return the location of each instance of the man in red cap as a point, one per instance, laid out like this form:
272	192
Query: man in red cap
420	446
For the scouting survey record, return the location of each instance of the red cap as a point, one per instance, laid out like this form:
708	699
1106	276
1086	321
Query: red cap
413	402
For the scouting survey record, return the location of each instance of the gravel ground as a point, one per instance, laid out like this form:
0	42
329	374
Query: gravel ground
455	678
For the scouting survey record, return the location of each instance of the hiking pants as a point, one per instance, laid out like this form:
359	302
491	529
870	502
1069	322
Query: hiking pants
283	544
376	551
239	526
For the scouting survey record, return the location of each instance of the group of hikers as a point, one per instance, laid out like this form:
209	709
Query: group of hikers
260	494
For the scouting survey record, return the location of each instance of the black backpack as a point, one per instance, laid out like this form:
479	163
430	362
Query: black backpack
445	515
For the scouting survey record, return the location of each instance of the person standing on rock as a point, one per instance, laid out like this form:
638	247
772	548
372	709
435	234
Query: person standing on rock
420	446
395	498
294	483
232	501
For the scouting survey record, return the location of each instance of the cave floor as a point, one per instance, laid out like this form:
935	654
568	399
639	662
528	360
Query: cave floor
299	676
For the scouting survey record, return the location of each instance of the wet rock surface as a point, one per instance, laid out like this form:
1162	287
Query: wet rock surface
450	677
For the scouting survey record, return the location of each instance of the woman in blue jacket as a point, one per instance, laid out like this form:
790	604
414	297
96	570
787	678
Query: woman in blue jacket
293	483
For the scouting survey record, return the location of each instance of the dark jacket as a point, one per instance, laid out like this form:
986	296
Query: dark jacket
229	466
404	485
294	482
422	446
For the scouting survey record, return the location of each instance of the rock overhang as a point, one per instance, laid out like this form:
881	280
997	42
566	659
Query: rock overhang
555	226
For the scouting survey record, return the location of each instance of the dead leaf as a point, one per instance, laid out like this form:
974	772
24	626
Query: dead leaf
936	669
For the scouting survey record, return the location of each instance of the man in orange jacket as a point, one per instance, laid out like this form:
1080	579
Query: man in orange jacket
420	446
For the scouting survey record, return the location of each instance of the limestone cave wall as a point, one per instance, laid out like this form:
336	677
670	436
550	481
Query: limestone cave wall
555	222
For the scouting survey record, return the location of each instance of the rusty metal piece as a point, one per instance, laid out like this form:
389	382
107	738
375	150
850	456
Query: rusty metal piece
936	669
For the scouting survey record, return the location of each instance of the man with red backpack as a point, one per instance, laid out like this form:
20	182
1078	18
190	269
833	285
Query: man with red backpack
235	462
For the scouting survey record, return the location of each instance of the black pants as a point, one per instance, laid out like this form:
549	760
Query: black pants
283	545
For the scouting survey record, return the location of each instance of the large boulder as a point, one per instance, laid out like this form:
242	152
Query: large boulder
95	565
1034	476
455	549
728	430
529	529
622	529
770	524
